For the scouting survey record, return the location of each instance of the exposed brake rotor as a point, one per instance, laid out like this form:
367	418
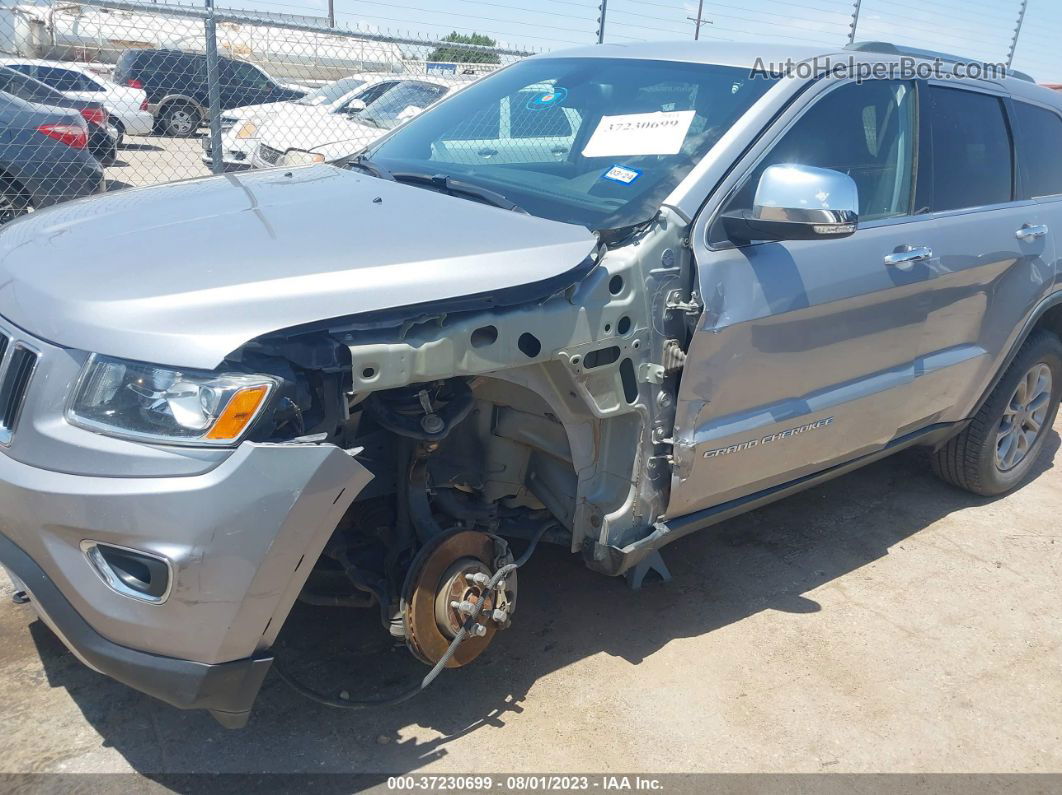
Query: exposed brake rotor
446	579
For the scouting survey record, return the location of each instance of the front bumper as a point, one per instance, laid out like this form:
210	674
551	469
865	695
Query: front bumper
241	539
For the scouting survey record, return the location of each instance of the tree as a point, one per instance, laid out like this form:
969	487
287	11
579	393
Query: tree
460	54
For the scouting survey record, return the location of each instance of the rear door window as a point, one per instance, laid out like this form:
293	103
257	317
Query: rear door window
1039	145
238	74
23	68
970	151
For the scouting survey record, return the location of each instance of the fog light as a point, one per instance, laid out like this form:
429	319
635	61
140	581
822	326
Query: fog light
128	572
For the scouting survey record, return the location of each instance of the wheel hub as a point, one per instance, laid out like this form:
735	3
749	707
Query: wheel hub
447	577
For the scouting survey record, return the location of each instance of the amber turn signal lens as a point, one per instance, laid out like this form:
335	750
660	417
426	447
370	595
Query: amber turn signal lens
240	411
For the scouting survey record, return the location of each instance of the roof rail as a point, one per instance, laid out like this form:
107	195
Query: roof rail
888	48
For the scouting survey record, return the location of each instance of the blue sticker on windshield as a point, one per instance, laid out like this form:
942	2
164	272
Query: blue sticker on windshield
547	99
622	174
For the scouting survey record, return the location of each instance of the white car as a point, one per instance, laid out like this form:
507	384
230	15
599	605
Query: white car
240	126
126	106
319	134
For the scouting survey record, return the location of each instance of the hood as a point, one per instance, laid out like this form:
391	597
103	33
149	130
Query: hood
247	111
184	274
307	127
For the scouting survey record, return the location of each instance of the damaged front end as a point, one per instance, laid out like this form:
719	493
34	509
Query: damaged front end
541	412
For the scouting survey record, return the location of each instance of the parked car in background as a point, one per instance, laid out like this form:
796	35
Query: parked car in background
43	157
240	127
126	106
321	133
103	139
176	86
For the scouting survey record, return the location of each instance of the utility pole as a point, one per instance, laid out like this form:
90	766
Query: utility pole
601	22
697	21
331	13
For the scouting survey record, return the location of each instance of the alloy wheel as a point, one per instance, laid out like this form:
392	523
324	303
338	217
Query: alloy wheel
1024	417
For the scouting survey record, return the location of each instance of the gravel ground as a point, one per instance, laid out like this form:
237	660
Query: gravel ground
881	622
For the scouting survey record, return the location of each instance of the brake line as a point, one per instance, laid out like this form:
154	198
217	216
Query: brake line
459	638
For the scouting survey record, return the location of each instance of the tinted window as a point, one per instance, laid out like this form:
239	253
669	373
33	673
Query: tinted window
971	155
22	68
27	88
403	101
863	130
371	94
1039	133
66	79
330	92
176	70
243	75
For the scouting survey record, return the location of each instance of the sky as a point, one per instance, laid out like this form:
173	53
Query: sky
981	29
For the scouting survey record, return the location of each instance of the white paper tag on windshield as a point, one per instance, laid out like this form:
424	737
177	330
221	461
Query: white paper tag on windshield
660	133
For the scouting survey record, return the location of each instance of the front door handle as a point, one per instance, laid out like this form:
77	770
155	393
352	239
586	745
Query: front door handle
486	152
908	256
1031	232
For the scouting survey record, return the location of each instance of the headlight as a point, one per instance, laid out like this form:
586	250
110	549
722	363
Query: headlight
299	157
143	401
248	130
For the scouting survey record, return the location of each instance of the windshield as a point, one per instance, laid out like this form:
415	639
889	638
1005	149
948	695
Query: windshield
593	141
400	102
330	92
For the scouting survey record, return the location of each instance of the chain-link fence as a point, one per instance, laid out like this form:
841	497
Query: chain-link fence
103	95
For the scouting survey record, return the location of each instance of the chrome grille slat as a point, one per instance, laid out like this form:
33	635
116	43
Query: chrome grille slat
18	363
269	154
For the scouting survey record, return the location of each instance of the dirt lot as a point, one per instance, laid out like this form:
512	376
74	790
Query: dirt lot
882	622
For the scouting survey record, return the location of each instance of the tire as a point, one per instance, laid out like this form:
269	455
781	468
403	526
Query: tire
121	134
180	120
1005	439
108	156
13	201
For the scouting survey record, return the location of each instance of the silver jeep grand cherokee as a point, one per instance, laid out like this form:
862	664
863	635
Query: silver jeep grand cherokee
602	299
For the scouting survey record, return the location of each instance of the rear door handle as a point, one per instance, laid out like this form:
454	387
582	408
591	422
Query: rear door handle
1031	232
908	256
485	152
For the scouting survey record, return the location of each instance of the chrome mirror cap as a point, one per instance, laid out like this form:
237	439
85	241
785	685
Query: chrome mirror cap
796	202
805	194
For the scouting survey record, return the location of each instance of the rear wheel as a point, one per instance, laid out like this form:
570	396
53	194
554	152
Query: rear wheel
180	120
13	201
1004	441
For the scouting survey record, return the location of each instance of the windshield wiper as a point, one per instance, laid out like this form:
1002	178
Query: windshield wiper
363	162
459	187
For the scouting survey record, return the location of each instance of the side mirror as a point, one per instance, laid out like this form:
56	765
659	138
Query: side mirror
356	106
797	203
